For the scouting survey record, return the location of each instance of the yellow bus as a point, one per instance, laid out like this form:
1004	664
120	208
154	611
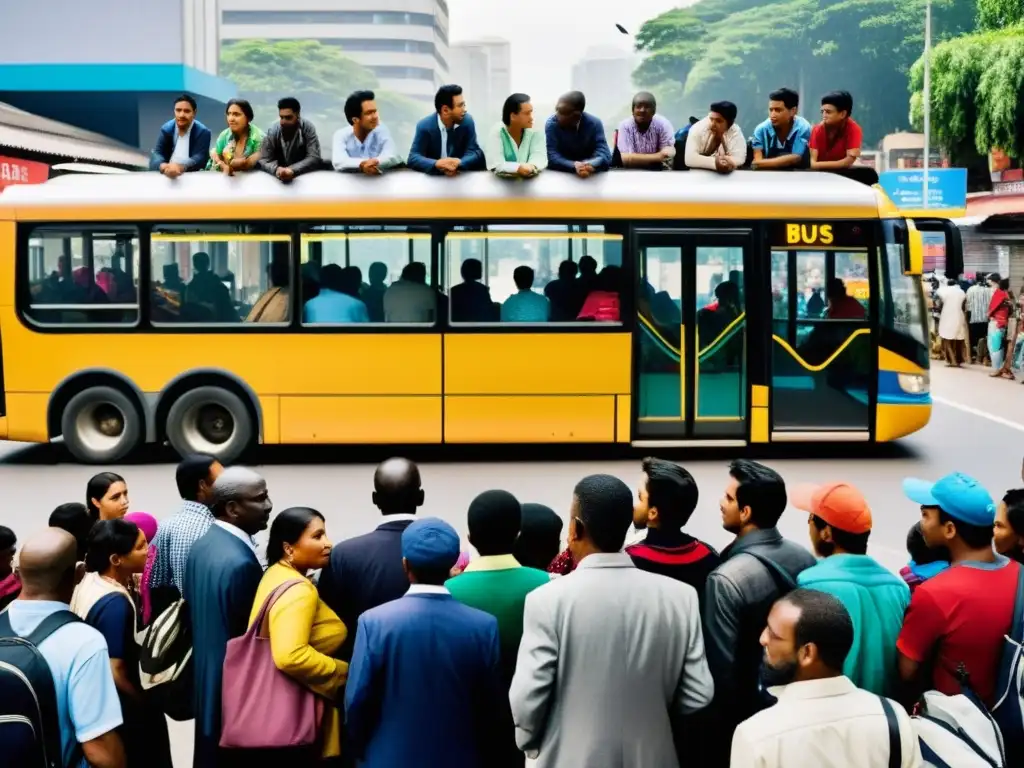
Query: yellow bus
214	313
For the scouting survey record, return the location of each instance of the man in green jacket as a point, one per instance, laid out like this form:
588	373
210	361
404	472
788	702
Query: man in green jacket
495	582
876	598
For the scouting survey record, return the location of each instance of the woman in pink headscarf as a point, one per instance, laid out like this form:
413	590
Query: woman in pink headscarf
148	525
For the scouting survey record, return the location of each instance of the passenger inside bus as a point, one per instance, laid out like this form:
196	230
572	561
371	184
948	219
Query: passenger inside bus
471	299
410	299
207	299
373	294
274	305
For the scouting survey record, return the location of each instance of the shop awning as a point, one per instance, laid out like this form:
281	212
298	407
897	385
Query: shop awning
25	131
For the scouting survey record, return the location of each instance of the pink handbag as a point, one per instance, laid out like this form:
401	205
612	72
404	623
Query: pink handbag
261	706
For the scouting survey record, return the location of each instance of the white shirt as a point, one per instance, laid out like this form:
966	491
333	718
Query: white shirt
347	151
238	533
733	145
827	723
180	154
427	589
444	136
951	316
409	302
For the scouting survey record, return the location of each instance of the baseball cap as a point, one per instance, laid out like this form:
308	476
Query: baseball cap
960	496
430	543
839	504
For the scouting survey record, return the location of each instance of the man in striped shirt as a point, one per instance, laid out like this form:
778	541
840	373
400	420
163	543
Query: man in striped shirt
979	296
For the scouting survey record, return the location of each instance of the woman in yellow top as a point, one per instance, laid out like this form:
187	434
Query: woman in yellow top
304	632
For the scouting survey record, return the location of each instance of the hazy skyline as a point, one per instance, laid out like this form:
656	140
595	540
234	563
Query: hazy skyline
549	36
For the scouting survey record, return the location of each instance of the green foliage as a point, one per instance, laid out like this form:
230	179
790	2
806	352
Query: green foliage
998	14
319	76
977	93
740	50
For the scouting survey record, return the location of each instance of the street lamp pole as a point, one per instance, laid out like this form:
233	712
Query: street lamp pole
927	95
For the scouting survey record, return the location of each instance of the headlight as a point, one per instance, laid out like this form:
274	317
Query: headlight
914	383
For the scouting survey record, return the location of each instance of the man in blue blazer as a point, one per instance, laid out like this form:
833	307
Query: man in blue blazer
445	142
221	579
183	145
424	686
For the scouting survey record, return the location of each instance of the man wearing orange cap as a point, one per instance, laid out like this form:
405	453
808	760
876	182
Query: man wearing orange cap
839	526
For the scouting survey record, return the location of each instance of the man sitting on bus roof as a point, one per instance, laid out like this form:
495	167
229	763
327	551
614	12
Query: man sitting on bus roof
836	140
445	141
183	145
646	140
575	139
781	140
366	144
290	146
716	142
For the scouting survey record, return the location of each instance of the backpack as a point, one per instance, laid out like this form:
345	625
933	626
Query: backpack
1008	710
958	732
165	662
679	161
29	720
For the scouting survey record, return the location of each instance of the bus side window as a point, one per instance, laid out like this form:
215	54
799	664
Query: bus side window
71	276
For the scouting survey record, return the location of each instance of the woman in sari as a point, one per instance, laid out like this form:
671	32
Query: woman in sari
237	149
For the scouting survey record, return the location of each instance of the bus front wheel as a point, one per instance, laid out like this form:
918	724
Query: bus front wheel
101	425
210	420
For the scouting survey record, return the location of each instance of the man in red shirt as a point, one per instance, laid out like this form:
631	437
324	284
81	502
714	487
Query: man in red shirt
836	140
957	619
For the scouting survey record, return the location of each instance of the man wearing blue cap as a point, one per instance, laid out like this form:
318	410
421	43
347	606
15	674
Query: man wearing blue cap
960	616
424	686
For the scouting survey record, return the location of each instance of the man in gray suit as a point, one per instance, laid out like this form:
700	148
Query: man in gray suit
612	657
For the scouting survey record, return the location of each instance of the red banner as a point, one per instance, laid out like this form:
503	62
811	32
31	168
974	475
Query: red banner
16	171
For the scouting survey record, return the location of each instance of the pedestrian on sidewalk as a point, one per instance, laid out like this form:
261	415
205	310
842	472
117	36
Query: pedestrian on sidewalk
998	315
952	322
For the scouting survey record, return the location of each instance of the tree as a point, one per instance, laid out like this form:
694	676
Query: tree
977	93
740	51
319	76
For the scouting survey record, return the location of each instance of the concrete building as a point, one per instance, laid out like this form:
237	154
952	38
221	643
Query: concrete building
484	70
403	42
605	75
113	66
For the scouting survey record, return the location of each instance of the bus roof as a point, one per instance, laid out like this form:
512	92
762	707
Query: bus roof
405	194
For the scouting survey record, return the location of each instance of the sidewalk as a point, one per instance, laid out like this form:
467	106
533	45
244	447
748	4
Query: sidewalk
972	387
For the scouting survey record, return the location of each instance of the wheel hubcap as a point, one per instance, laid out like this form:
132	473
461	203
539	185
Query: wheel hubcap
215	423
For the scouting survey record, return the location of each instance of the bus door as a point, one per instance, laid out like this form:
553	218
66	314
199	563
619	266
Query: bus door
822	351
690	351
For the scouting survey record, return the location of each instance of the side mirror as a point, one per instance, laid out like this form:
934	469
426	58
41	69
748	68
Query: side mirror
913	254
954	243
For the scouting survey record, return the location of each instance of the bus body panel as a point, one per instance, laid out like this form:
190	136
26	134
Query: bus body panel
449	384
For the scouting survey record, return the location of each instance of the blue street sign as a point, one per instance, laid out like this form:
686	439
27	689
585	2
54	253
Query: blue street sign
947	188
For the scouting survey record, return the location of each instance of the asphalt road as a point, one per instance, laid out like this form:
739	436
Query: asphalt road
976	428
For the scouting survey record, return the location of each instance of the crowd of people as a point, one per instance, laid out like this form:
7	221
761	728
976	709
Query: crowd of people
398	647
977	321
572	140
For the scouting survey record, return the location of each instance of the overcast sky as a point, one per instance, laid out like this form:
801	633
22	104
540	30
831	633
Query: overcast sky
549	36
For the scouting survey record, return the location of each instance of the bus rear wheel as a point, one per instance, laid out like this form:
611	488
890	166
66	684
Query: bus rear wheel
101	425
210	420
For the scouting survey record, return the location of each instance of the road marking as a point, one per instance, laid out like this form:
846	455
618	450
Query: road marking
978	412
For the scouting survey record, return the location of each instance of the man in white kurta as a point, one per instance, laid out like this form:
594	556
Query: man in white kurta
952	322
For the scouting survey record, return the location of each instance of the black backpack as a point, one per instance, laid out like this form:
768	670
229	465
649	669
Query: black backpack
29	722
